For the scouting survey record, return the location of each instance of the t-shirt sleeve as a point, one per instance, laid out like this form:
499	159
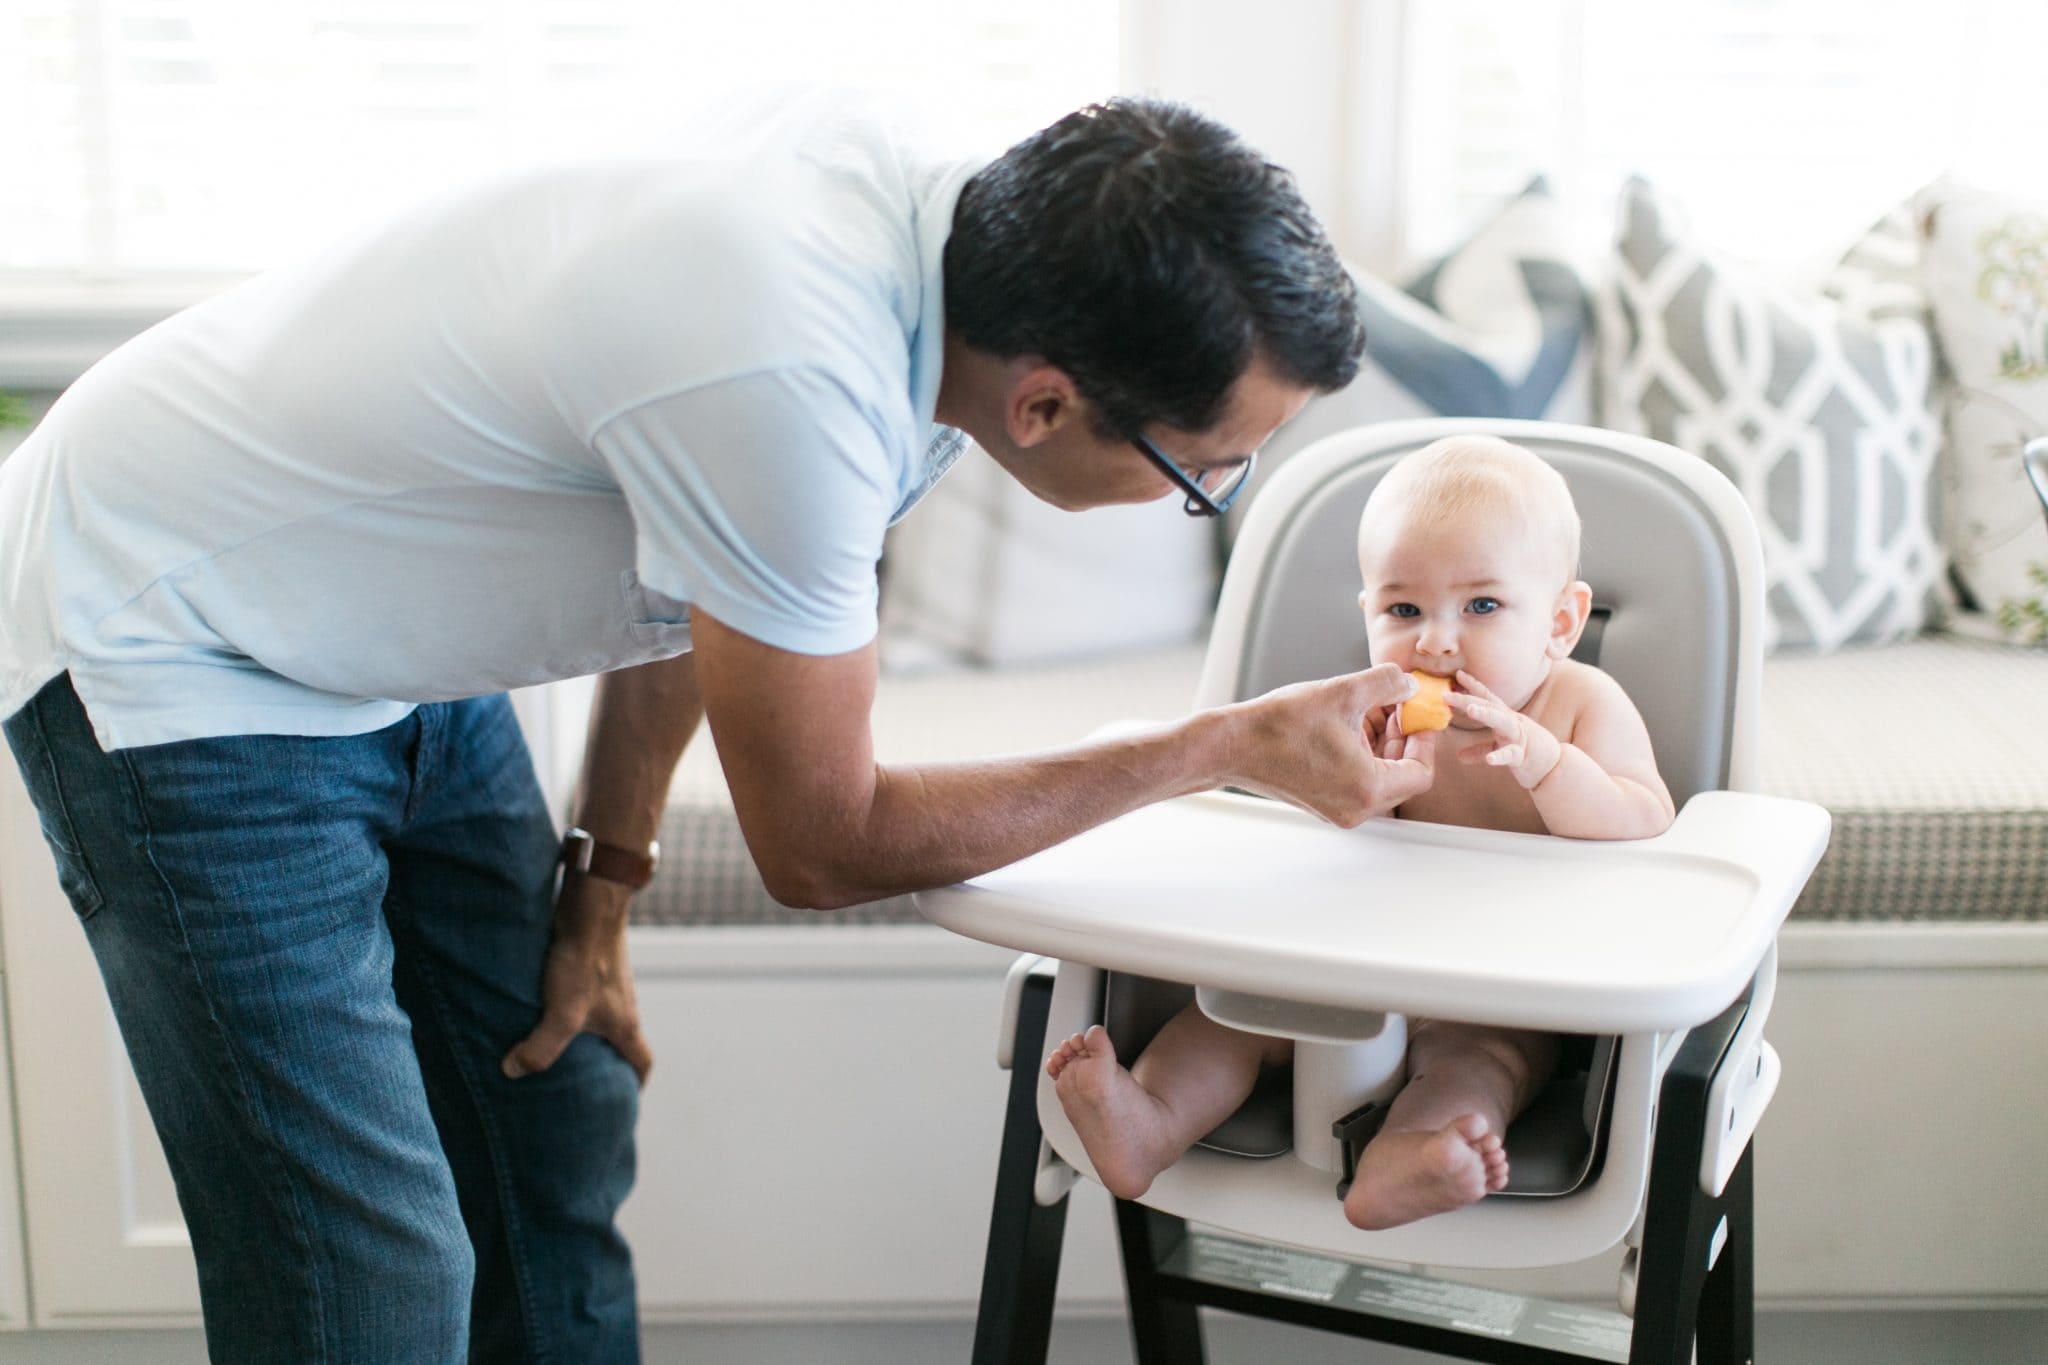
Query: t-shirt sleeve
762	499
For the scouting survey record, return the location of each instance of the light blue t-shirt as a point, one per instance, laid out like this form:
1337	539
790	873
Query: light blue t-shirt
506	438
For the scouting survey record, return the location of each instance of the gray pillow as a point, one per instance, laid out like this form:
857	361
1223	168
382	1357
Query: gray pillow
1821	410
1497	327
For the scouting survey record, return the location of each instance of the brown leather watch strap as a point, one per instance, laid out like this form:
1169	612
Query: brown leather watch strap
583	853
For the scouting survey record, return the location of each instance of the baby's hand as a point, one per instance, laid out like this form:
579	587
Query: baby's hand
1526	749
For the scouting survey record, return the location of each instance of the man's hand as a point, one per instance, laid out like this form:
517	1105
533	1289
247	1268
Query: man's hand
1329	746
640	721
1525	748
587	986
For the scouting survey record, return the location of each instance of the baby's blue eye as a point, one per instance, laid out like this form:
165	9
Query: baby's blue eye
1403	609
1484	606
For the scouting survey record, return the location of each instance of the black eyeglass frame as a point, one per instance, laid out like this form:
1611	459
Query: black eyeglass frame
1200	503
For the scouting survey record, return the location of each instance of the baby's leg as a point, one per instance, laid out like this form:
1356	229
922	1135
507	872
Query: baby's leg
1136	1123
1440	1147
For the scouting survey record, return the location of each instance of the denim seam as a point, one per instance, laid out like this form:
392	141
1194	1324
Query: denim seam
243	1089
98	897
522	1273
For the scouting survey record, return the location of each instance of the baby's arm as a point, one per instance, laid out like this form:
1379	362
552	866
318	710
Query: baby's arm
1602	784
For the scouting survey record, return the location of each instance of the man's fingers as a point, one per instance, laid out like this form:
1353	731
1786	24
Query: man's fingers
1421	748
1410	768
539	1049
1403	778
632	1045
1384	685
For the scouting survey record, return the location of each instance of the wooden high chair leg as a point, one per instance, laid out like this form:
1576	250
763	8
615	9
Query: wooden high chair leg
1014	1324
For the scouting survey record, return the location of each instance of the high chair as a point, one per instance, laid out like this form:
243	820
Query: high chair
1658	953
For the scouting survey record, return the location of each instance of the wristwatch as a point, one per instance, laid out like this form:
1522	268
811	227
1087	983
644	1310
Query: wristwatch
581	852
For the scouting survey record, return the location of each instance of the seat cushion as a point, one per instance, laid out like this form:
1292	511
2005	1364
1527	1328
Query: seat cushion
1931	754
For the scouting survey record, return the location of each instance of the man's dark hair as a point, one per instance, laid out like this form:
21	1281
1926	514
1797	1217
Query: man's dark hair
1151	254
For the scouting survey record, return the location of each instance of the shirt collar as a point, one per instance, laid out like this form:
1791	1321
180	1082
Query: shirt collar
932	224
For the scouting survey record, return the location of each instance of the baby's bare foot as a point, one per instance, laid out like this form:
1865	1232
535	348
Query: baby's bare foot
1405	1176
1120	1124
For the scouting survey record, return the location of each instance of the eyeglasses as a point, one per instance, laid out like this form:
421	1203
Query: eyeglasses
1210	490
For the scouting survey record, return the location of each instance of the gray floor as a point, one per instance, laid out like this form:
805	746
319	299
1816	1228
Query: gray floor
1783	1338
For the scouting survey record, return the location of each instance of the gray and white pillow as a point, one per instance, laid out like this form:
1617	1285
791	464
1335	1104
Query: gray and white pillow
1821	410
981	573
1498	327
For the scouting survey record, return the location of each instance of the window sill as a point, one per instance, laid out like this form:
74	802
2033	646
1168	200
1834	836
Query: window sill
52	331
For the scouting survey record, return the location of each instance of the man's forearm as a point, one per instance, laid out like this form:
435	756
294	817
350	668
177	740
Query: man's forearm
829	826
639	724
935	824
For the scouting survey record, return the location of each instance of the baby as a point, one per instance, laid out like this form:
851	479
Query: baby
1469	550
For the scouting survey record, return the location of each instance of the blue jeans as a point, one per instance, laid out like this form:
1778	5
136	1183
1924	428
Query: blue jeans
318	950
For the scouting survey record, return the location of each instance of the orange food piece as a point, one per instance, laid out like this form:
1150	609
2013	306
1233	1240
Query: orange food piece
1427	709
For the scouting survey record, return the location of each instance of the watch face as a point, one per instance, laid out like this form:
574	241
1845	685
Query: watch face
577	846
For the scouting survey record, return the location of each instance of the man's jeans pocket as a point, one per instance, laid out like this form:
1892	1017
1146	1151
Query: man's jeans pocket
39	771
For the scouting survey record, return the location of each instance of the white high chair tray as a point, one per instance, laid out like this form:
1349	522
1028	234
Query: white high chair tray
1246	894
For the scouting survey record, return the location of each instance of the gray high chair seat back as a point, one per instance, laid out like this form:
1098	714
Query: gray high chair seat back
1664	625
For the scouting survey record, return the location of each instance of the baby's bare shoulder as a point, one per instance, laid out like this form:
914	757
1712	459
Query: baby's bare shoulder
1576	692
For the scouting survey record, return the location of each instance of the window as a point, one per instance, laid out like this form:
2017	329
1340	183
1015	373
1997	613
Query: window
155	136
1784	126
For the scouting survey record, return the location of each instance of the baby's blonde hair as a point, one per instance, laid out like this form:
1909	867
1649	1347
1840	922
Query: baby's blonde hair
1460	475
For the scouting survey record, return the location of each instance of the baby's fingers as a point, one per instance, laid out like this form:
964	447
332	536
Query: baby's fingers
1475	687
1506	756
1487	711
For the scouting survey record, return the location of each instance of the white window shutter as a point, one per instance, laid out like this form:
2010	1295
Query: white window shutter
1785	126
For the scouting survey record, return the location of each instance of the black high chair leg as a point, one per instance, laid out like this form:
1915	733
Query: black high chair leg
1014	1325
1695	1280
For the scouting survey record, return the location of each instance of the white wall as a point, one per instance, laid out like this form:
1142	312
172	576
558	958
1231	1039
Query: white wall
1311	83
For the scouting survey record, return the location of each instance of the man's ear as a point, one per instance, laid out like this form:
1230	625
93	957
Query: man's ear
1041	400
1568	619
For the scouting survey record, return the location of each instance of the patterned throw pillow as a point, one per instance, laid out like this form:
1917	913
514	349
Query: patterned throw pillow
1986	268
1821	410
982	573
1496	328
